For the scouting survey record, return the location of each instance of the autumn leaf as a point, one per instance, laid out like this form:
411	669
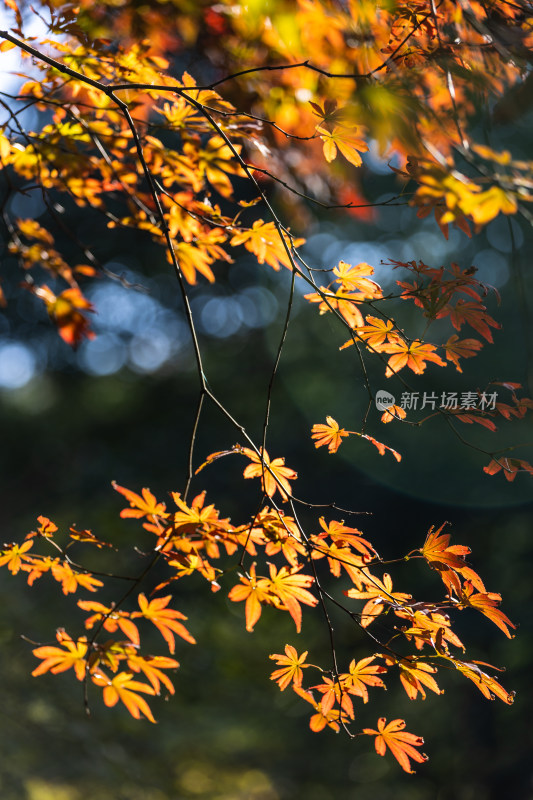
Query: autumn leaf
393	412
112	620
70	579
510	467
165	619
152	667
414	675
15	556
486	603
145	506
321	718
264	241
379	595
349	145
254	591
66	310
122	687
401	744
275	476
291	667
355	279
487	685
289	590
464	348
382	448
475	315
449	560
412	355
361	675
329	434
71	654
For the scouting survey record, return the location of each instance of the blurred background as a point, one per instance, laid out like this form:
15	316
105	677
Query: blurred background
121	407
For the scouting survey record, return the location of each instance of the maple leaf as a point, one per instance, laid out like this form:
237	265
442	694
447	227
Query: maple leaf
510	466
349	145
449	559
289	590
165	619
344	302
65	310
70	579
264	241
393	412
59	659
487	685
464	348
475	315
145	506
291	667
152	667
322	718
113	620
412	355
381	447
14	556
379	595
330	434
401	744
486	603
362	674
333	693
414	675
87	537
355	279
255	591
189	519
46	529
275	476
122	687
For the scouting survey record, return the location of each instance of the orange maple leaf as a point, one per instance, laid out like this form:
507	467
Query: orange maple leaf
449	559
165	619
274	474
14	556
379	595
381	447
487	685
510	466
329	434
401	744
289	590
264	241
475	315
414	675
71	579
486	603
412	355
65	310
461	348
361	675
349	145
291	667
145	506
255	591
322	718
122	687
59	659
113	620
355	279
152	667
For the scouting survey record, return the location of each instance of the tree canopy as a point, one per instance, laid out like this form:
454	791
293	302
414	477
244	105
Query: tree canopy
229	145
